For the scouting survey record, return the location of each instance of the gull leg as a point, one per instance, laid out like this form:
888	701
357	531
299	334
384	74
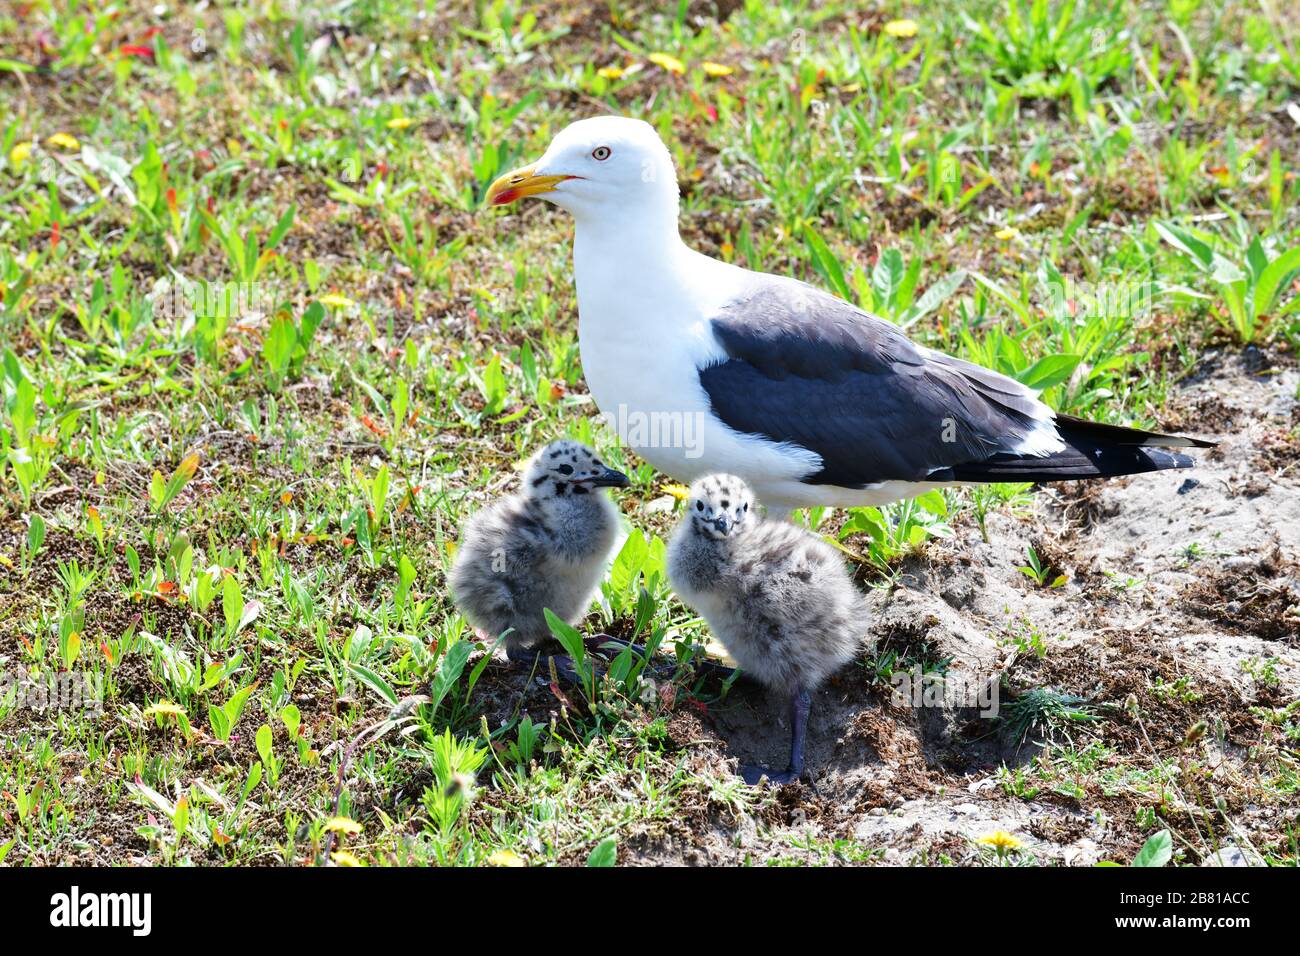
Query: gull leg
800	705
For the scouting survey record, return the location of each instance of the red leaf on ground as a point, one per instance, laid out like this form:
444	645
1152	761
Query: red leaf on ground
560	696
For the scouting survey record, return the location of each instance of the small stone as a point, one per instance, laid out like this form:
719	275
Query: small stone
1232	855
661	505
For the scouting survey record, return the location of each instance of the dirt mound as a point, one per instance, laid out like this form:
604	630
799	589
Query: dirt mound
1178	621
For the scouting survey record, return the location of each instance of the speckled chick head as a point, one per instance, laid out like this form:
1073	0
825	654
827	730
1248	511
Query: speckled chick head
721	506
565	468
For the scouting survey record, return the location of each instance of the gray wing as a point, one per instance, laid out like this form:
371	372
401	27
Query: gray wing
807	368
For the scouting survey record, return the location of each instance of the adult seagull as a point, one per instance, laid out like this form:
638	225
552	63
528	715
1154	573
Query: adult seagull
707	367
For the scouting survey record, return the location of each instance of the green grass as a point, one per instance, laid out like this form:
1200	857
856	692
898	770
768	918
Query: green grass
240	522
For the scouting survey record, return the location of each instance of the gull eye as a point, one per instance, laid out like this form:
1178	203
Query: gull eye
565	469
699	506
746	508
600	153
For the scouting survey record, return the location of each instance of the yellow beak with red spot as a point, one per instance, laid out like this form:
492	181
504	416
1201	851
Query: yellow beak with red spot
519	183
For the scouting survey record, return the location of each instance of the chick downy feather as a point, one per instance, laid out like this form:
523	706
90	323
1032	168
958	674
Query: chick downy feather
778	597
544	547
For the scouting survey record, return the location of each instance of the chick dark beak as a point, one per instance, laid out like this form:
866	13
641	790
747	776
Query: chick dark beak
609	478
722	523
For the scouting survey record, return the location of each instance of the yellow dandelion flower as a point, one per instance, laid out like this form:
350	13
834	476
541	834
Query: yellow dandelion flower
164	708
19	154
1000	840
400	122
286	497
668	62
64	141
343	825
680	492
716	69
336	300
901	28
1007	232
505	858
344	858
610	72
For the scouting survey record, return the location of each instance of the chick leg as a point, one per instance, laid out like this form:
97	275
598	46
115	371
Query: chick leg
563	664
703	665
799	708
800	705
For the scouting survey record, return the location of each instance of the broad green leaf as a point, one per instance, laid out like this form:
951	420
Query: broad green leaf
253	779
605	853
449	670
35	534
935	296
264	743
1157	851
292	718
220	722
1049	371
887	276
1021	310
824	262
566	634
934	502
1186	242
375	683
1273	279
628	562
232	605
282	227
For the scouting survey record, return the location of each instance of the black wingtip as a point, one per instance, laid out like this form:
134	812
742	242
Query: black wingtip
1157	440
1092	450
1070	425
1164	460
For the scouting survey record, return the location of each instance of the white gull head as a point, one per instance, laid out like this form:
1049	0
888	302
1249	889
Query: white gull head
597	167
